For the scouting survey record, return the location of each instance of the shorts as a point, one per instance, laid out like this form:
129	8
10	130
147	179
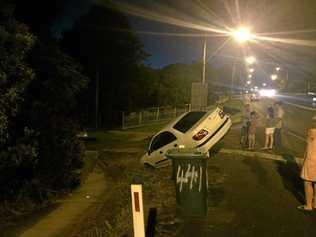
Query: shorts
252	136
269	131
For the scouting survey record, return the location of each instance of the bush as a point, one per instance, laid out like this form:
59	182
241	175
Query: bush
40	153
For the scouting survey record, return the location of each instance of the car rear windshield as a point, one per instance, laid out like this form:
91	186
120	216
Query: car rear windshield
188	121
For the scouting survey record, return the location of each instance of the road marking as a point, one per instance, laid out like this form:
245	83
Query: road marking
295	135
299	106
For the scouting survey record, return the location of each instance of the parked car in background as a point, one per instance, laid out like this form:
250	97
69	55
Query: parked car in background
195	129
254	97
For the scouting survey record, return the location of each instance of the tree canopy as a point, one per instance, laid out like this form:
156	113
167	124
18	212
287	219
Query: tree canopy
40	153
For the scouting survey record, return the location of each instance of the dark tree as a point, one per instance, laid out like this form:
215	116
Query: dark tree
52	108
18	144
104	43
39	15
39	86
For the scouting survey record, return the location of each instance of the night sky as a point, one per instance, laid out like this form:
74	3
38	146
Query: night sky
150	19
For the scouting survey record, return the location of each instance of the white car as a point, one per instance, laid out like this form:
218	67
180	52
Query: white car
195	129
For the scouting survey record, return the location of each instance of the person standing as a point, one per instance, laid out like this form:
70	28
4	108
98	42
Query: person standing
252	130
308	173
279	124
269	130
245	126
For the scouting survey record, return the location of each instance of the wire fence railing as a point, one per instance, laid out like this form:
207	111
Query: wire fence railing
152	115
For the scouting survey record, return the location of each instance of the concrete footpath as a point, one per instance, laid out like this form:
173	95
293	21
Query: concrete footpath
60	221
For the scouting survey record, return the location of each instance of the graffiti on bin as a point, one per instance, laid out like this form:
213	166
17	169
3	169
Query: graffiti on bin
190	176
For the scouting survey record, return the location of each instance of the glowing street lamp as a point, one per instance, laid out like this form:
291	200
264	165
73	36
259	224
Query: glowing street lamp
242	34
264	84
251	70
274	77
248	82
278	68
250	76
250	60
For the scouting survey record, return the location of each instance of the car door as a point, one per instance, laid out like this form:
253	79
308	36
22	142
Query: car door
160	145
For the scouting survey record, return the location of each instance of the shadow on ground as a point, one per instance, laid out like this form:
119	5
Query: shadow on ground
290	173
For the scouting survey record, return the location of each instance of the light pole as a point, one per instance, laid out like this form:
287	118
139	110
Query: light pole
280	69
233	78
204	61
241	35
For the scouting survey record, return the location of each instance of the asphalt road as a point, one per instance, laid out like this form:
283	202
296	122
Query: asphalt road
299	99
253	197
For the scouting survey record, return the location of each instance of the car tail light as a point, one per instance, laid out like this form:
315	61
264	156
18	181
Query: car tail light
201	134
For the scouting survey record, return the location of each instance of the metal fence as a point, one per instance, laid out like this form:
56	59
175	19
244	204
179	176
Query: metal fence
152	115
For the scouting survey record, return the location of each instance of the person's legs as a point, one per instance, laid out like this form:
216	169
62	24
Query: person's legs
277	137
271	141
251	141
314	202
242	136
309	193
266	141
247	135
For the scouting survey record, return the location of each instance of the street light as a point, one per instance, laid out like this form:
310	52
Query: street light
250	60
242	34
274	77
251	70
278	68
264	84
248	82
250	76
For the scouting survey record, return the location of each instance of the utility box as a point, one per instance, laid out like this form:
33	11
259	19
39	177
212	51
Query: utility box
189	171
199	92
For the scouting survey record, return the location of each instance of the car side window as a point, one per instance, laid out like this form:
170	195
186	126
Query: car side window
161	140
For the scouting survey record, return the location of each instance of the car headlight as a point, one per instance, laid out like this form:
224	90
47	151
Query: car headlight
267	92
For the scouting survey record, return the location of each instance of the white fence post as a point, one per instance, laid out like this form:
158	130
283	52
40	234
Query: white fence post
138	210
140	119
157	114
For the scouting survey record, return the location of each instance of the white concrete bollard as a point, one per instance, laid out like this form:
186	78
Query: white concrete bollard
138	211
